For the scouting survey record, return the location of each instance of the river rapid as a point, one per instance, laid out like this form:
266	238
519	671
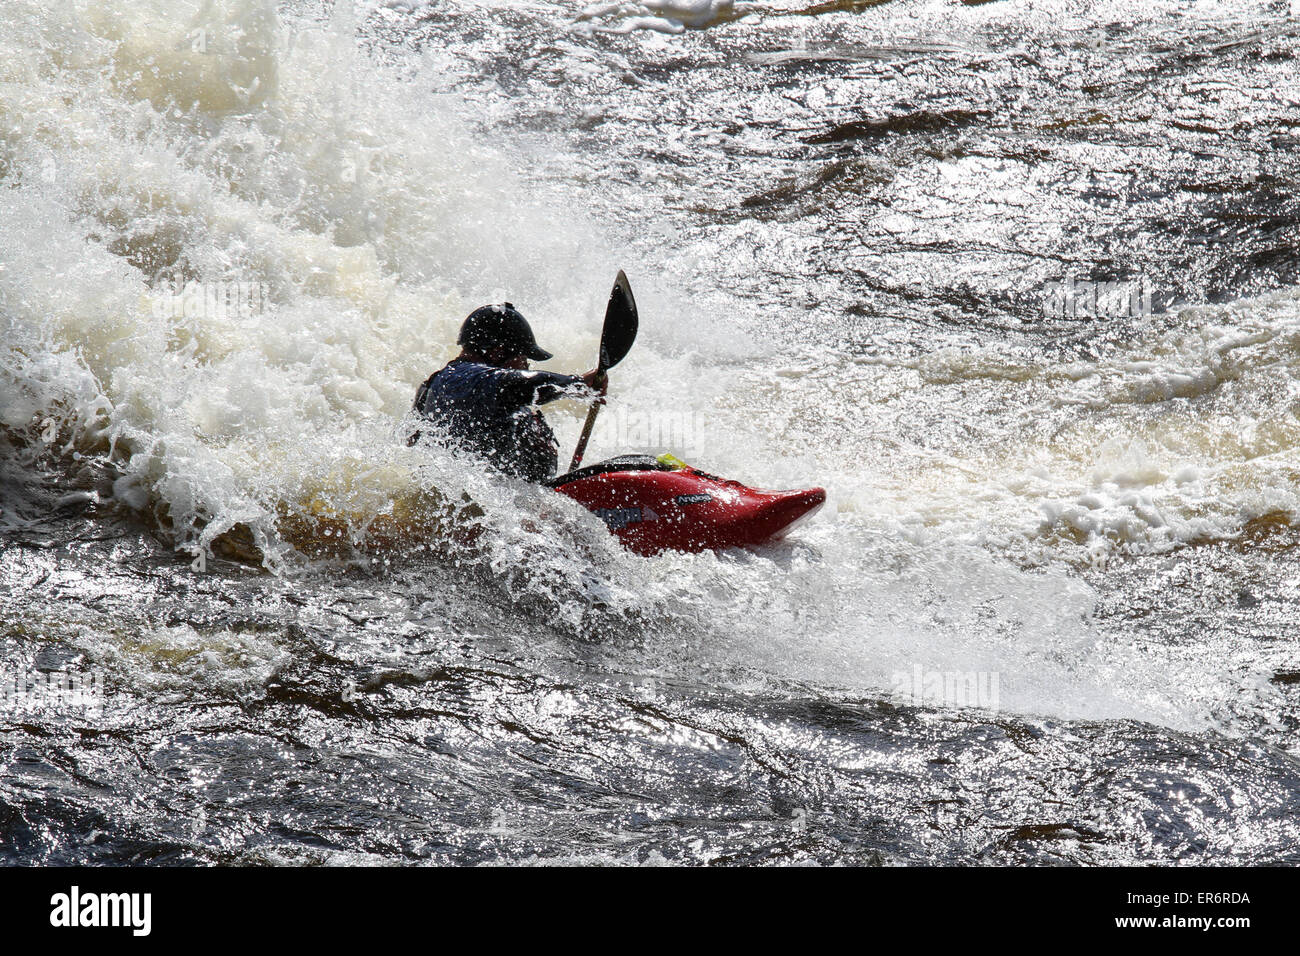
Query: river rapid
1017	282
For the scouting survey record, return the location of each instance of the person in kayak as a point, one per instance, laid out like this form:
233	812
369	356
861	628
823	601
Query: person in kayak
482	400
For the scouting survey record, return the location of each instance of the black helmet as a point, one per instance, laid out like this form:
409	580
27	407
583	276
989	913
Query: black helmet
500	327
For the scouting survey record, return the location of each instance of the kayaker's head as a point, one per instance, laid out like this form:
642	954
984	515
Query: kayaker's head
499	335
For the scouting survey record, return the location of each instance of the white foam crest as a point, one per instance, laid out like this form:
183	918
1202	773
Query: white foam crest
1179	436
657	16
208	142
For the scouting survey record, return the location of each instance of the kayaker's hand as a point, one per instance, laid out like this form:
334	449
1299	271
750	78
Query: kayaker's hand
597	381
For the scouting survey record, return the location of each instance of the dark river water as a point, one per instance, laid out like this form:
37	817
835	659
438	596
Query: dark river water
1017	283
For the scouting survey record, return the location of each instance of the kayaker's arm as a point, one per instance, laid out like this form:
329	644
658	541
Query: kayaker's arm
538	388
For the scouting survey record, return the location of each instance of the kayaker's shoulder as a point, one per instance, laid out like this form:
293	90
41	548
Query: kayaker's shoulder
459	372
468	368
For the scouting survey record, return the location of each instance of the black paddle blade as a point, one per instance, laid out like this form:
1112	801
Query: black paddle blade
620	324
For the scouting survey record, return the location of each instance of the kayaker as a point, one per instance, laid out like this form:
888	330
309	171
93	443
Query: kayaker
482	400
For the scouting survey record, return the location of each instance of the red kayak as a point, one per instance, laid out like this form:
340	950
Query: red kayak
658	504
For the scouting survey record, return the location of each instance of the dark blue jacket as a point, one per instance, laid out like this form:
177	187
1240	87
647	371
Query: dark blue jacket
488	411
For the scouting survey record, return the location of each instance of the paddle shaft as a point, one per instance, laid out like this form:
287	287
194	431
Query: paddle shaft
586	430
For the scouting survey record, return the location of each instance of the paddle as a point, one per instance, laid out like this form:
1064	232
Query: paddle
615	341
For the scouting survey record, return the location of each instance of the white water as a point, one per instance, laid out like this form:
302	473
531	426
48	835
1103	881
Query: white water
265	151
